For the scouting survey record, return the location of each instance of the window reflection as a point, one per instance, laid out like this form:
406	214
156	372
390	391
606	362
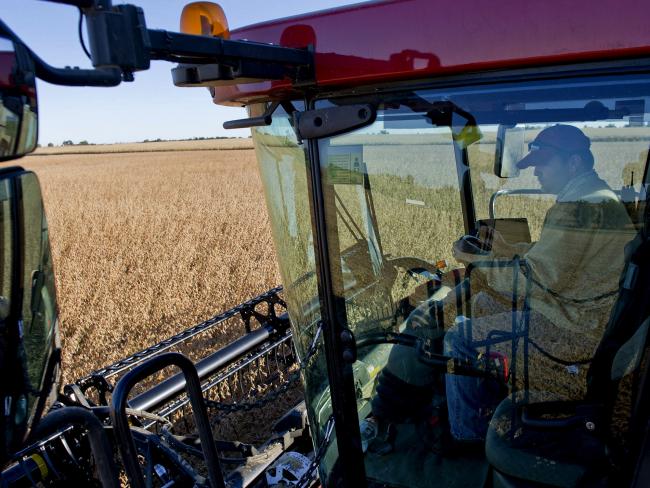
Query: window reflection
506	287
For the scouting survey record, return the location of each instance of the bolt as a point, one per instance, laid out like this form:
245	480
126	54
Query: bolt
590	426
348	356
346	337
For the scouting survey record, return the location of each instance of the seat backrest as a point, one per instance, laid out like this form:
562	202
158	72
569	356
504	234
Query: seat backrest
624	336
624	344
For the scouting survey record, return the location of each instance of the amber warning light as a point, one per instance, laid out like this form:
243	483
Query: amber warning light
204	19
216	60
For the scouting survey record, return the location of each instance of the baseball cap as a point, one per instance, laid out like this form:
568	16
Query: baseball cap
560	138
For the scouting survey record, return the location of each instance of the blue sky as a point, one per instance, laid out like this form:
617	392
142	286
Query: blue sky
148	108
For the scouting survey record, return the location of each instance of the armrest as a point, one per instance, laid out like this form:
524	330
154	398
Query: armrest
561	415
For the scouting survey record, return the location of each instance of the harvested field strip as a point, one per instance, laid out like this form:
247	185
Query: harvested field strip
151	146
132	151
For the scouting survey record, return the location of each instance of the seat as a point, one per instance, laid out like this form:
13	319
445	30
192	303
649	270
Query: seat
575	443
557	456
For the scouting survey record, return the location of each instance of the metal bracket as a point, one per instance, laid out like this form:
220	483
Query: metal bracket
121	44
327	122
349	346
313	124
211	61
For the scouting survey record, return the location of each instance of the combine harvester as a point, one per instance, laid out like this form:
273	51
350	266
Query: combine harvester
458	202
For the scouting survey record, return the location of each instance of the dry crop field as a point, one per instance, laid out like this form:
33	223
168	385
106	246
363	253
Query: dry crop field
148	242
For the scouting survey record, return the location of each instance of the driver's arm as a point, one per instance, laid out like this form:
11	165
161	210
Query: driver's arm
500	247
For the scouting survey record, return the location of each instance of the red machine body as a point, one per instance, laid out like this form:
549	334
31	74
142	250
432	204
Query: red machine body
385	41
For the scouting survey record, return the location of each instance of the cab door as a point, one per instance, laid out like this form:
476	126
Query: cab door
28	310
532	308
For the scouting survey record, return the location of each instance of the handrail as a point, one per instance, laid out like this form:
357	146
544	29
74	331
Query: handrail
122	428
505	191
531	191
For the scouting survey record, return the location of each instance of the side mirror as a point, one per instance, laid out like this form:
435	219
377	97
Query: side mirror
510	148
18	108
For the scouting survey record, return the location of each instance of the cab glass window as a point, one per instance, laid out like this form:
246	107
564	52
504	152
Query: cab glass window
480	239
284	170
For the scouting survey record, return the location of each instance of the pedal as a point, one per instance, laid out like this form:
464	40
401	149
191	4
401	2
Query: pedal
376	436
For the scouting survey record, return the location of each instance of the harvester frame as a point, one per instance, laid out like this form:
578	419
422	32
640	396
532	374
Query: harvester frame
314	94
265	345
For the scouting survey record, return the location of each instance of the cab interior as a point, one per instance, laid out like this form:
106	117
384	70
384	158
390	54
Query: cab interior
406	199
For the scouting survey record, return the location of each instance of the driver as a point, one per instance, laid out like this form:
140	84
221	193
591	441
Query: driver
574	269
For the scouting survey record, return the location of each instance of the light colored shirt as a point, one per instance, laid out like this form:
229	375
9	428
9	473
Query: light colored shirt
577	261
586	186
